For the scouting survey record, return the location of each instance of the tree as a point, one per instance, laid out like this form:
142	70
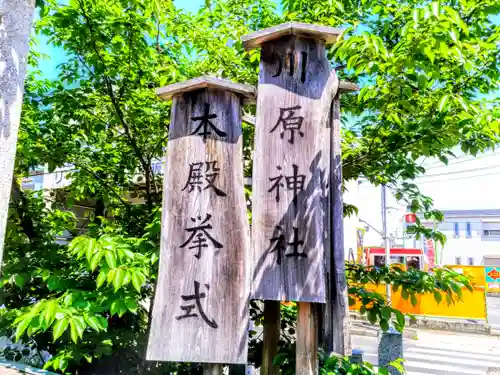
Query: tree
16	22
90	298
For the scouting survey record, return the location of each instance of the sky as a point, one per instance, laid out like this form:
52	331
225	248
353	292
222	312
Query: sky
56	55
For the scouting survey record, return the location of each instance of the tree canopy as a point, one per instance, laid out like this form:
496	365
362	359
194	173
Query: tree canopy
428	73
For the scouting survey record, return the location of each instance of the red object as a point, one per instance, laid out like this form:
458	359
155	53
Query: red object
394	251
410	218
430	252
494	274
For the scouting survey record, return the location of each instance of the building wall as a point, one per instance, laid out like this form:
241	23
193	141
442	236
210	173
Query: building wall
464	248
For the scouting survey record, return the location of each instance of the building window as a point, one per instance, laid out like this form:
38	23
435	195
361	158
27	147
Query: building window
471	261
458	260
456	233
468	230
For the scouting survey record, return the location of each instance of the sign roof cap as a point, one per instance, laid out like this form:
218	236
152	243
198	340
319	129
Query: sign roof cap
167	92
256	39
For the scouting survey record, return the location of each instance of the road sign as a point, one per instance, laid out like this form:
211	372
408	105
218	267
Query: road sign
492	274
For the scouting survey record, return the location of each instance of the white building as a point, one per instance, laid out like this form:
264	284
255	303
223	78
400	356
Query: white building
471	235
466	191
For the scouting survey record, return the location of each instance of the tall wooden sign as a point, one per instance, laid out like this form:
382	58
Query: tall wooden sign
291	220
15	28
200	310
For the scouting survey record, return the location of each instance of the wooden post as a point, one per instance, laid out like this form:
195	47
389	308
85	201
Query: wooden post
307	339
292	178
334	333
15	28
200	311
271	326
212	369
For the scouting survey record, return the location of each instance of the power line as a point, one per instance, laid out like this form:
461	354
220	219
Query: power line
461	171
457	178
461	160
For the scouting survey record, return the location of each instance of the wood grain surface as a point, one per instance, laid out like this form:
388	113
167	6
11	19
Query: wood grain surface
334	334
290	229
201	194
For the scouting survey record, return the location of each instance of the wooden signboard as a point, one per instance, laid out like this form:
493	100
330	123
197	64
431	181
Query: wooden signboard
15	27
201	304
291	217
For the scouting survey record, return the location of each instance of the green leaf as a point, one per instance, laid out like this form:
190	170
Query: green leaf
429	53
110	259
101	279
90	248
73	331
131	304
386	312
20	280
436	8
119	278
372	316
384	325
59	327
443	103
127	253
103	322
280	359
118	307
50	311
22	325
400	317
96	259
416	15
463	103
413	299
437	296
138	279
422	81
404	293
77	327
94	322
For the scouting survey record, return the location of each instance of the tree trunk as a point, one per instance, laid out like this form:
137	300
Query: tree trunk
15	27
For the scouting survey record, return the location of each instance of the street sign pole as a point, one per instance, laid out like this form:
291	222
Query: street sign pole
387	244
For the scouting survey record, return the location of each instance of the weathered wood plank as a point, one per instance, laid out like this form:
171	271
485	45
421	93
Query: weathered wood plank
272	330
291	171
334	334
204	235
198	83
15	24
307	339
318	32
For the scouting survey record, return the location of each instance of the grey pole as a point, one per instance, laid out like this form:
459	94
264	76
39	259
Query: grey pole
386	240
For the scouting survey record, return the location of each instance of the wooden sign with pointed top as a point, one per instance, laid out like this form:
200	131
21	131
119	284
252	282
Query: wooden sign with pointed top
200	310
291	179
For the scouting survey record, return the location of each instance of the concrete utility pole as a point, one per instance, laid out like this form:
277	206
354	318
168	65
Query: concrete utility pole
15	26
385	236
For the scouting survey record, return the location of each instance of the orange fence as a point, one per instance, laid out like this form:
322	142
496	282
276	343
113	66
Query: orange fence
472	306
